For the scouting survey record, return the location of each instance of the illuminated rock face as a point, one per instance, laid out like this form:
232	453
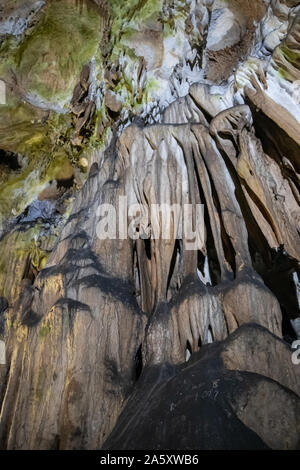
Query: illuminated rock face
140	343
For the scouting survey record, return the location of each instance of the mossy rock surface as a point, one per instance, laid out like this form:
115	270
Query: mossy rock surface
49	60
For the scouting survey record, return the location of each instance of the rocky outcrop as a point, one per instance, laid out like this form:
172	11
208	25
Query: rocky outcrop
215	401
137	333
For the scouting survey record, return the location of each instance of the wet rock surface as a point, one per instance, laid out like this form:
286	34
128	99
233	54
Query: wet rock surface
207	405
141	343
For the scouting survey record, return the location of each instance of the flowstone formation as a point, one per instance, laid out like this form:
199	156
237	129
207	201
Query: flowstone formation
138	342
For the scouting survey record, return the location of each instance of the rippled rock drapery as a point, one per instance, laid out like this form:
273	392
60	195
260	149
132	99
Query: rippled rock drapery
142	344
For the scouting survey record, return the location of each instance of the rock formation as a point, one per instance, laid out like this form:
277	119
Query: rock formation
142	342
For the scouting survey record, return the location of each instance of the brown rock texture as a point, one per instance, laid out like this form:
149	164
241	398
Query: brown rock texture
142	341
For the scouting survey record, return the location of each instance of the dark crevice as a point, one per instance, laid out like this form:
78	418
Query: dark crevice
176	253
65	183
273	266
113	114
278	277
228	248
288	332
211	333
10	160
147	244
136	276
138	364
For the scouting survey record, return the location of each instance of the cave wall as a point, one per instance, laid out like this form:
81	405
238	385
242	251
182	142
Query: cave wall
140	342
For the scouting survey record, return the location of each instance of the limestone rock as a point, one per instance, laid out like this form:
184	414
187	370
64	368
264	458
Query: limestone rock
205	404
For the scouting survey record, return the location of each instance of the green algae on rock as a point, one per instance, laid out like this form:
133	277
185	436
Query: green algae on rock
50	59
41	70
